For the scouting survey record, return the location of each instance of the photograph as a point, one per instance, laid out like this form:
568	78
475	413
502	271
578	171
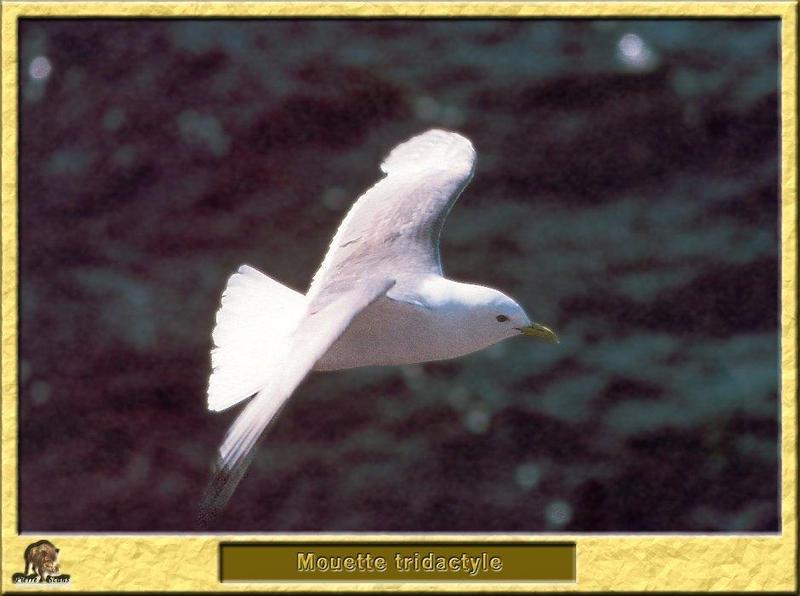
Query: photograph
398	275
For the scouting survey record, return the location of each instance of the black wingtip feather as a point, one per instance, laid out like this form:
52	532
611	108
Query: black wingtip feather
219	490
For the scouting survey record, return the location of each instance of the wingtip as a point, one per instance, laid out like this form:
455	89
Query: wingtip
206	518
437	146
215	497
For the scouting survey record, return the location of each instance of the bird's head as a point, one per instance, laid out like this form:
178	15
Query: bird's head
495	316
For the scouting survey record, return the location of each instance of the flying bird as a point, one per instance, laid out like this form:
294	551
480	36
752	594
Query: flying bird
379	298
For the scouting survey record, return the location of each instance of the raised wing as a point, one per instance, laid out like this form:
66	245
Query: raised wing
395	226
312	338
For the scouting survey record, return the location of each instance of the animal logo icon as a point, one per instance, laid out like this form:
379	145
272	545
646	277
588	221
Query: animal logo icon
42	557
41	565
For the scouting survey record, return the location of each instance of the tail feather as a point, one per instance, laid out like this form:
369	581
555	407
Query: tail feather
253	323
255	316
293	357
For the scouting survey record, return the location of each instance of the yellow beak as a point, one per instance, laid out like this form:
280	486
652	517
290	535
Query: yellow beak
540	332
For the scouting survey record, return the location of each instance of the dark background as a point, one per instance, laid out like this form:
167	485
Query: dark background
626	194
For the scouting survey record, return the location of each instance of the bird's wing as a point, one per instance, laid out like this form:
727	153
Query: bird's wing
395	226
317	330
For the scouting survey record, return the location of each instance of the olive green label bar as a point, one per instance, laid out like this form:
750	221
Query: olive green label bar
462	562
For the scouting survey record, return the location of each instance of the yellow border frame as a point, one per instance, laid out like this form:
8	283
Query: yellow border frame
605	562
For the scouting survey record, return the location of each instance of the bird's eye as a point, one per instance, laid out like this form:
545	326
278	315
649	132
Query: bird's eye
501	318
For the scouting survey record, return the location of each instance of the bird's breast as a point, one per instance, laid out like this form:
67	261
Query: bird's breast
394	333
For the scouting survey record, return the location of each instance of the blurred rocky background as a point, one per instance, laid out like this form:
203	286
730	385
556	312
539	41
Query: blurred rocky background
627	193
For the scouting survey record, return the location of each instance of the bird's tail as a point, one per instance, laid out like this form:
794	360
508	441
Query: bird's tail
256	315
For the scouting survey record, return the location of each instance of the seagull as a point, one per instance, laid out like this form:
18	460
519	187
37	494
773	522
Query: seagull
379	298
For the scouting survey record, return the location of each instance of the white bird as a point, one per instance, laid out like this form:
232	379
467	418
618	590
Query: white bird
379	298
